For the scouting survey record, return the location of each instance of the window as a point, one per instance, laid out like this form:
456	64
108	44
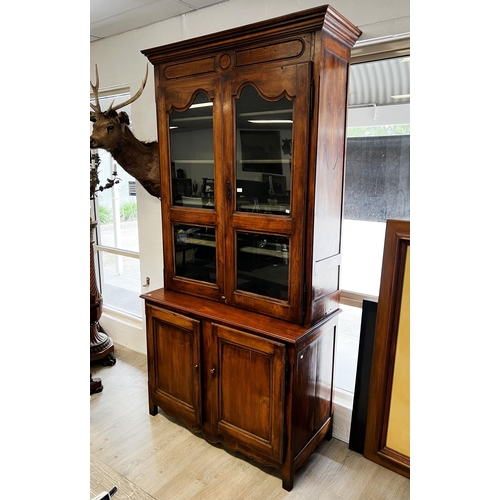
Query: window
117	242
377	184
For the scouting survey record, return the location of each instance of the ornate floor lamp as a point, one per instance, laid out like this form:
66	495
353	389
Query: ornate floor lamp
101	345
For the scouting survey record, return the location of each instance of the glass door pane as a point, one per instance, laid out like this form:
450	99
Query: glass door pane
262	264
192	154
263	153
195	255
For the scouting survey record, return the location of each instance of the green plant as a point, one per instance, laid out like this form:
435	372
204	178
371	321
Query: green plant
128	211
104	214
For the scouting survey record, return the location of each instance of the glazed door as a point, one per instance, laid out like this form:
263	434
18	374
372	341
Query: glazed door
249	373
266	159
193	230
174	364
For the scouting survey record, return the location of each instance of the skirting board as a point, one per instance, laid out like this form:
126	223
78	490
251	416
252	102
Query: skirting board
124	330
342	415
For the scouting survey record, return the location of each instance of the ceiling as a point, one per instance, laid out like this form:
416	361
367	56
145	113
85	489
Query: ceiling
371	84
112	17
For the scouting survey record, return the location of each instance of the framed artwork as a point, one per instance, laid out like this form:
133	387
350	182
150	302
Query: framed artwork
387	440
261	151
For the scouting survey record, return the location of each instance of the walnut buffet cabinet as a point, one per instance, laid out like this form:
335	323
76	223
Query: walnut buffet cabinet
251	130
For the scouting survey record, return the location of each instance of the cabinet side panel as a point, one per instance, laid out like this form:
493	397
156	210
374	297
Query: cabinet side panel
330	165
314	386
329	182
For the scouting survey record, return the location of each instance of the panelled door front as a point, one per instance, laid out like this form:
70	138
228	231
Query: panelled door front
174	364
250	379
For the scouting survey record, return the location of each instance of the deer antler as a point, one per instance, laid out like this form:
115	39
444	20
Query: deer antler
95	90
133	98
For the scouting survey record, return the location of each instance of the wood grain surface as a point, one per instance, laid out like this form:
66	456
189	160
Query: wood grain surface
104	478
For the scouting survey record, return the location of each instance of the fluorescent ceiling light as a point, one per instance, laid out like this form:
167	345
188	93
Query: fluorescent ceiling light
270	121
402	96
201	105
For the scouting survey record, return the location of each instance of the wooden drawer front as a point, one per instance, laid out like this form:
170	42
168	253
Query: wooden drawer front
176	341
251	380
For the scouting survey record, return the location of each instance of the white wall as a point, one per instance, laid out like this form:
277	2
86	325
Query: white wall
120	62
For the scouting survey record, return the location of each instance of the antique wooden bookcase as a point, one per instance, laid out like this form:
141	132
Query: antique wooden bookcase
241	337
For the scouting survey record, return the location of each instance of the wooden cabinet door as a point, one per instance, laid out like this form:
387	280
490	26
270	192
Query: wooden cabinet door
189	117
174	364
250	379
266	152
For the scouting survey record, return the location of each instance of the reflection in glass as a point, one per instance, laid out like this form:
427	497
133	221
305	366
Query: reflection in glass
192	146
264	152
195	252
262	264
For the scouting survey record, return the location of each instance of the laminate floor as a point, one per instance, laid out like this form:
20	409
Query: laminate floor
160	457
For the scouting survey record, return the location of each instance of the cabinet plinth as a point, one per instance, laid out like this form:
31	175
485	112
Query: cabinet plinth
251	131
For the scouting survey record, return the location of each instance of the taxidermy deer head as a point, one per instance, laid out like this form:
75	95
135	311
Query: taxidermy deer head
111	132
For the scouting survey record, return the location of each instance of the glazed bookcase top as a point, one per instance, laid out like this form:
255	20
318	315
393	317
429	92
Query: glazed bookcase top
265	233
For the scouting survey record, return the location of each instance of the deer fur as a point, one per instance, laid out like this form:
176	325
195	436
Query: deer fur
111	132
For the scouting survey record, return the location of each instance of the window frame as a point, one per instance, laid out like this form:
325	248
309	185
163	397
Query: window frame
113	93
363	52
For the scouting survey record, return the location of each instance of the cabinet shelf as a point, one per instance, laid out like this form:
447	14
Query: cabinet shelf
263	251
200	241
278	209
284	161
